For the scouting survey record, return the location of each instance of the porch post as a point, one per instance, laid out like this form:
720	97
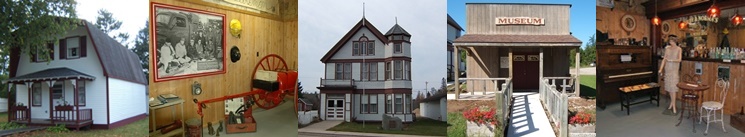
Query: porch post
51	107
75	100
540	67
29	85
510	55
576	67
456	63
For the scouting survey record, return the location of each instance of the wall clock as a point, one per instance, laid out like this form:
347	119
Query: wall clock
196	88
628	23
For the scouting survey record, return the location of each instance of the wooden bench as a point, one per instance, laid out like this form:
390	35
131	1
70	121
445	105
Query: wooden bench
652	89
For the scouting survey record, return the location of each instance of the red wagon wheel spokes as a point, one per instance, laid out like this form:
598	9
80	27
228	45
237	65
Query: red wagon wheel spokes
265	99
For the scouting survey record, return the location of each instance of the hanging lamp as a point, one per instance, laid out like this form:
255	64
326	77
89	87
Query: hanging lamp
656	19
713	11
736	19
682	25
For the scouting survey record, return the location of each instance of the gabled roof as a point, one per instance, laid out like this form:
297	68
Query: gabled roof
452	22
51	74
117	60
363	23
435	97
396	29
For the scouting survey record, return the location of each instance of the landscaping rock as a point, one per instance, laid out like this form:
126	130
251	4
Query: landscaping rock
479	130
392	123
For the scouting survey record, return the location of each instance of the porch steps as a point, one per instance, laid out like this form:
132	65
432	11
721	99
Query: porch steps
20	130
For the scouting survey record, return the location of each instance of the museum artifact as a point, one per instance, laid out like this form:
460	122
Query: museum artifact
278	82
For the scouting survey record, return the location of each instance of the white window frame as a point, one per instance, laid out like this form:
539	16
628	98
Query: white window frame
71	46
81	93
36	95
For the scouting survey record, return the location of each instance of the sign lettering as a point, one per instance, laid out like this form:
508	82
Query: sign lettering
519	21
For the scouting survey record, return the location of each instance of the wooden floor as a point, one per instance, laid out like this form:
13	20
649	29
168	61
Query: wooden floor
48	122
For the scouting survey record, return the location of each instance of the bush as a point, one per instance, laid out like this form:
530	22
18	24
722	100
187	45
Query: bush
581	118
10	125
58	128
481	116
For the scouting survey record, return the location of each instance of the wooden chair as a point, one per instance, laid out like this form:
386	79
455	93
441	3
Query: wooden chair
717	104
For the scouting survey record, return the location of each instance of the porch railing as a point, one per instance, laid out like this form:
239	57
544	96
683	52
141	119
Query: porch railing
484	85
69	115
337	82
556	103
19	114
566	85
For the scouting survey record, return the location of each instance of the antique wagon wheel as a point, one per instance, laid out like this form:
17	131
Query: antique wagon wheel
269	99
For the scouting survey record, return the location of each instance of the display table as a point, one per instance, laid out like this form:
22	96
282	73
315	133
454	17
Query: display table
171	103
692	95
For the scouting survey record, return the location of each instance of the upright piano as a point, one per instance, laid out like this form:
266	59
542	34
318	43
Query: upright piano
622	66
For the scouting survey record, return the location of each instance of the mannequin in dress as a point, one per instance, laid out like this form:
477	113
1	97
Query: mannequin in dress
671	66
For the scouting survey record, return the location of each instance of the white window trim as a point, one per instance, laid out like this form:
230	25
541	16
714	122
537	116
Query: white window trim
70	47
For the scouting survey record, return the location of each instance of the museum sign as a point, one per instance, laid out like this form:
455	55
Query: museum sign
519	21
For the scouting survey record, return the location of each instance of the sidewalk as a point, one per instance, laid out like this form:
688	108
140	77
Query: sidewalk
319	130
528	117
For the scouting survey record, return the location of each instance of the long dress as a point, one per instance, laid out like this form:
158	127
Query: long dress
672	75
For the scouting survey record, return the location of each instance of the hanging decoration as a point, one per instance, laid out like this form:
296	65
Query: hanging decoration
682	25
235	28
713	11
656	20
736	19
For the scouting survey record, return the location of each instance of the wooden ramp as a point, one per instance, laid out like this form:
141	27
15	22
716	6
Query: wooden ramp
19	130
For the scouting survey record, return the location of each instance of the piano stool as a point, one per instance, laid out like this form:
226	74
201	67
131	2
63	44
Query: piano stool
652	89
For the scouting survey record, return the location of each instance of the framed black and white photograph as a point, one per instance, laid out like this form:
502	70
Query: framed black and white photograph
187	42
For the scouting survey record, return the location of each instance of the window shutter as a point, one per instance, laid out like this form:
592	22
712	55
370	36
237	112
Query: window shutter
33	57
62	49
51	50
83	47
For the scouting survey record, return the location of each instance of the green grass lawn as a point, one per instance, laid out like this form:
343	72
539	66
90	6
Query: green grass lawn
456	125
3	117
587	88
422	126
135	129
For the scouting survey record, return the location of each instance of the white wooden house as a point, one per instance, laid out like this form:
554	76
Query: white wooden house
454	32
100	80
368	75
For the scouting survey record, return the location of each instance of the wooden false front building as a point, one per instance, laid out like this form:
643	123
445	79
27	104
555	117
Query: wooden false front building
525	42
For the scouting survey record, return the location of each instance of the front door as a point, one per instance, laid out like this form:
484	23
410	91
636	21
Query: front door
335	109
525	72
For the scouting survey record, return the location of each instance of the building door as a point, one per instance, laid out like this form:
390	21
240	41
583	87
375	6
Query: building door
335	109
525	72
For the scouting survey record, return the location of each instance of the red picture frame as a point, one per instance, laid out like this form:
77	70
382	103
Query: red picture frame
185	42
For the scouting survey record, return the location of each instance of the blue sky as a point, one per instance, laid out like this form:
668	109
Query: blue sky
582	18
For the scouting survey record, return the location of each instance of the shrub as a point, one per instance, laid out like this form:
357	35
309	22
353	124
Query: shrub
481	116
581	118
10	125
58	128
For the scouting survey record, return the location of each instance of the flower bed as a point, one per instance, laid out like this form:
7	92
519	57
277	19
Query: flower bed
481	121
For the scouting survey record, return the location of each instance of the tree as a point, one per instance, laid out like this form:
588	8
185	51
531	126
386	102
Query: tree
108	24
587	54
299	89
29	25
141	48
444	85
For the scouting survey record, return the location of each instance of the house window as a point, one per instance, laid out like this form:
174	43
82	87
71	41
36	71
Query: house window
370	48
388	103
81	93
36	91
58	92
387	70
369	71
355	49
73	47
344	71
369	103
397	48
398	72
39	57
408	103
399	106
363	47
408	70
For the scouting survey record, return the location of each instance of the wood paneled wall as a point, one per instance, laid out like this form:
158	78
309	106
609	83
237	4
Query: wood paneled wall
734	100
482	62
263	34
609	21
481	19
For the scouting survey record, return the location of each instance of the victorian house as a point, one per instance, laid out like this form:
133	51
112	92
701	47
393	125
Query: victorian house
87	80
368	75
